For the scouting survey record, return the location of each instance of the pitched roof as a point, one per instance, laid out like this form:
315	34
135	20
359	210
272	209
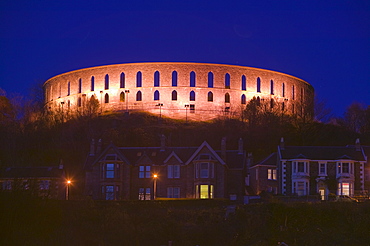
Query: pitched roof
321	153
32	172
270	160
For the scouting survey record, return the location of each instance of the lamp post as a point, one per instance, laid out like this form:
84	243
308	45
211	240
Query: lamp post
186	112
126	92
160	107
67	189
155	176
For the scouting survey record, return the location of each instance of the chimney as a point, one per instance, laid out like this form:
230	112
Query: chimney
358	145
282	144
98	149
92	147
163	142
223	148
249	161
240	146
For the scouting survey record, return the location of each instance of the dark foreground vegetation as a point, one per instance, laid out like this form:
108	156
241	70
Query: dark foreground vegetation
185	222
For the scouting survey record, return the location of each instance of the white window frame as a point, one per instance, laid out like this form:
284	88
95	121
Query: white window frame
306	187
325	173
173	171
210	170
295	167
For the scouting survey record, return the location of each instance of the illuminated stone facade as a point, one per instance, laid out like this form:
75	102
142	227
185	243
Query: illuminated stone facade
194	91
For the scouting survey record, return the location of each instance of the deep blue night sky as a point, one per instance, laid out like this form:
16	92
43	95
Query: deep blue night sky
326	43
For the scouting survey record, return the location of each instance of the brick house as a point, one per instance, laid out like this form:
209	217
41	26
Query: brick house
46	182
201	172
263	175
321	170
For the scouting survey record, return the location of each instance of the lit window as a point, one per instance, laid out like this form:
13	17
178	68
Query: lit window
210	97
227	81
173	171
122	81
156	79
210	80
144	194
345	188
258	84
173	192
271	174
244	83
156	95
138	96
227	98
174	78
138	79
174	95
192	79
106	84
243	100
204	191
192	96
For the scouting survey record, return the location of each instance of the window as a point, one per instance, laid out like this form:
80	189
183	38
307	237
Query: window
244	83
293	92
271	174
79	103
283	90
174	96
156	95
204	191
272	103
92	86
322	169
345	188
122	97
210	80
156	79
272	87
44	184
210	96
173	192
144	194
192	79
300	188
144	172
282	106
243	100
106	84
300	167
258	84
79	86
106	98
345	168
204	170
192	96
109	192
109	171
122	81
227	81
173	171
69	88
174	78
192	108
227	98
138	79
138	96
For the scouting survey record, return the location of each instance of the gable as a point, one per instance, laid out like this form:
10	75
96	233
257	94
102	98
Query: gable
205	149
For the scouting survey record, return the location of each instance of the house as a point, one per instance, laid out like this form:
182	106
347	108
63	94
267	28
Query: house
263	175
321	170
46	182
146	173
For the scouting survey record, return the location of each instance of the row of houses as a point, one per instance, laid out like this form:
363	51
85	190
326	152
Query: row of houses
202	172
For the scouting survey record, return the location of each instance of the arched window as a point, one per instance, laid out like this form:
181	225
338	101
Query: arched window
106	98
283	90
69	89
272	103
106	82
122	81
192	96
283	106
138	79
210	80
302	94
174	78
92	83
156	79
174	95
138	96
258	84
210	97
227	81
271	87
192	79
79	102
243	101
122	97
79	85
244	83
258	101
227	98
293	93
156	95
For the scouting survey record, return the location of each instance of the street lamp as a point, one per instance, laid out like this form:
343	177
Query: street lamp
155	176
186	112
160	112
67	189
